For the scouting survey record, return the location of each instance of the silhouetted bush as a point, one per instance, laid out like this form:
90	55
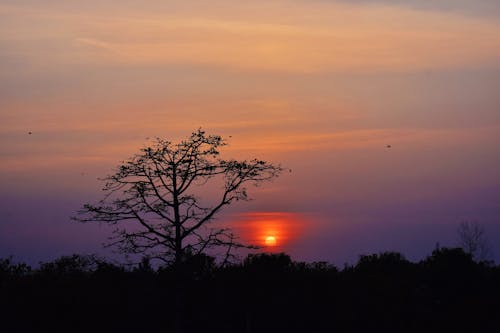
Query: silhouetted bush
268	263
69	265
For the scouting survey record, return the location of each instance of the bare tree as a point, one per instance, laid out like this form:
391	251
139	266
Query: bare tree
473	240
154	201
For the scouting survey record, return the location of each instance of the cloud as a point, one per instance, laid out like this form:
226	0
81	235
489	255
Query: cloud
488	8
305	38
409	43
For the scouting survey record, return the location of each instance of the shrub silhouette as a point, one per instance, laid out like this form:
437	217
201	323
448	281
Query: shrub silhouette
268	262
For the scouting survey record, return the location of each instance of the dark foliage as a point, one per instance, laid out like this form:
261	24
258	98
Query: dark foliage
446	292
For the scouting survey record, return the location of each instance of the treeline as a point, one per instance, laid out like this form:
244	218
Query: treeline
446	292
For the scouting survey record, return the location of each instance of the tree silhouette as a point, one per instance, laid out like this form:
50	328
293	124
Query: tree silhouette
473	240
159	189
70	265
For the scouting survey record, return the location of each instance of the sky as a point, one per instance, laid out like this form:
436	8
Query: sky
320	86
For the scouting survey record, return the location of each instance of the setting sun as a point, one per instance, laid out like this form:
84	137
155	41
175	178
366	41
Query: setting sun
274	231
270	241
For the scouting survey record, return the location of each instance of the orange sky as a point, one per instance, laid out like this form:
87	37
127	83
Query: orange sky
320	86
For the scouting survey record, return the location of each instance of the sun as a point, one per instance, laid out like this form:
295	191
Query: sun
270	241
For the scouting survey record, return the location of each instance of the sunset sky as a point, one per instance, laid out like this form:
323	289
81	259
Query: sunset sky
320	86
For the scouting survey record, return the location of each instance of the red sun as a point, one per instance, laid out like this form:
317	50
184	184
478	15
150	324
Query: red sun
270	241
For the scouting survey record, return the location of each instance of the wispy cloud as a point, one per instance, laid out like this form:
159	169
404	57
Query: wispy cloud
487	8
338	38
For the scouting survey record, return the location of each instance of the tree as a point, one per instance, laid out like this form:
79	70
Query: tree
154	201
383	263
73	265
473	240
